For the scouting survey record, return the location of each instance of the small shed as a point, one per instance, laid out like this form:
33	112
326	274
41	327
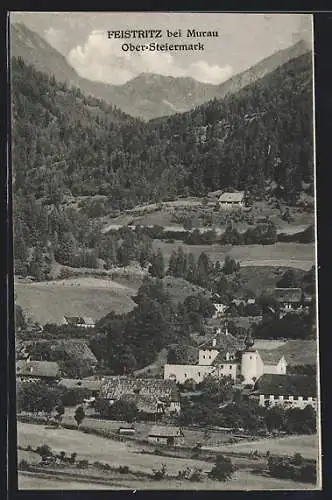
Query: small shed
166	435
126	431
231	200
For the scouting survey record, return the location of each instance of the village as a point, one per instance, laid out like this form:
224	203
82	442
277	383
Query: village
157	410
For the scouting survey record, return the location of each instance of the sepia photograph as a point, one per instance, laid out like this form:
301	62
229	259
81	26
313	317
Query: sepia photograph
165	251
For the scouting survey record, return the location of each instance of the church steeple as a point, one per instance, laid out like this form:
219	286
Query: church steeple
249	342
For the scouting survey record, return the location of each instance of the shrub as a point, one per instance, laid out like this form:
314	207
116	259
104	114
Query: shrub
23	464
124	469
159	474
308	473
82	464
223	469
297	459
44	451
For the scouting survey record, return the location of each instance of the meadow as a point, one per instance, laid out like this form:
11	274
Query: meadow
119	453
49	301
295	255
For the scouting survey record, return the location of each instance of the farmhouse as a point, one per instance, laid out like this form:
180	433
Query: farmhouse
231	200
295	391
220	310
60	350
166	435
77	350
226	355
290	299
149	395
80	321
27	371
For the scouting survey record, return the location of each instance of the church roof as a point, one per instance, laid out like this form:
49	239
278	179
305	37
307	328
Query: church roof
286	385
293	295
270	356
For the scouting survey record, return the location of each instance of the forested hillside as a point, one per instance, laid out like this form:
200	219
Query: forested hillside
65	143
87	147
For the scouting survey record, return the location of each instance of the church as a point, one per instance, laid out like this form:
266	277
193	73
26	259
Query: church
225	355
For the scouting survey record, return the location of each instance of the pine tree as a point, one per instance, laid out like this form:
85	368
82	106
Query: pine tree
157	266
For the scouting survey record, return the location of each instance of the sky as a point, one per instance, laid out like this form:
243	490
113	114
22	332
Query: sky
244	39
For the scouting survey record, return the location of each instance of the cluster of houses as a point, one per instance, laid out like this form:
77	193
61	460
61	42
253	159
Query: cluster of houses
290	300
263	371
226	355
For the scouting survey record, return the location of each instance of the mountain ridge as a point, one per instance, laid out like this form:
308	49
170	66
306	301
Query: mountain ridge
148	95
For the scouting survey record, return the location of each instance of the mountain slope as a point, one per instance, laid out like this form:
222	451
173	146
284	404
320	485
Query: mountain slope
261	69
147	96
262	132
65	143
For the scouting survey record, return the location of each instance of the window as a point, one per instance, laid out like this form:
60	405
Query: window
209	357
185	375
250	357
203	356
230	367
222	367
199	374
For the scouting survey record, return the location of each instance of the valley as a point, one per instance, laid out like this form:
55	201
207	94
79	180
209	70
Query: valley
165	293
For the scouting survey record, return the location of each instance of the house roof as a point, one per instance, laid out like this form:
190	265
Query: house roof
77	349
286	385
116	386
72	383
143	402
79	320
270	356
226	343
165	431
232	197
37	368
292	295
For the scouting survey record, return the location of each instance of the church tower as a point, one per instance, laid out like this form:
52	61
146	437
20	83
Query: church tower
251	362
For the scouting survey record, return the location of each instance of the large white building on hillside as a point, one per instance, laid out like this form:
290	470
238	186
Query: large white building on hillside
225	356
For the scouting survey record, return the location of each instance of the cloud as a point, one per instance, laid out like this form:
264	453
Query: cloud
104	60
56	38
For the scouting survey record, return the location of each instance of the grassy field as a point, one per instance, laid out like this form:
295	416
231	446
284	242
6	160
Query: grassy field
49	301
117	453
242	480
295	255
306	445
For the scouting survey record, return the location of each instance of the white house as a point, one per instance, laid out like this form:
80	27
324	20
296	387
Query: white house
225	356
30	371
81	321
296	391
290	299
166	435
220	310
